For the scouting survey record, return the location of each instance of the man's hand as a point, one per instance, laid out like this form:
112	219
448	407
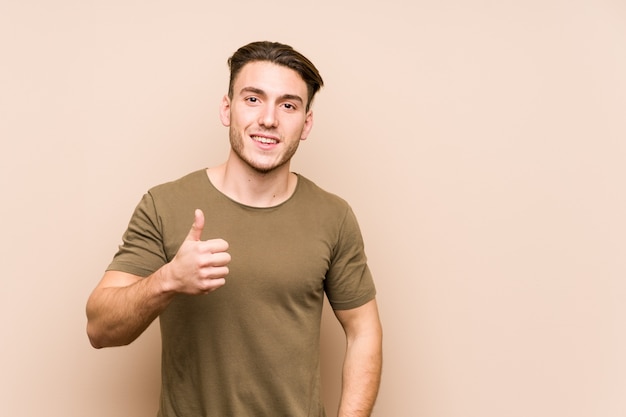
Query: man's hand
199	267
123	305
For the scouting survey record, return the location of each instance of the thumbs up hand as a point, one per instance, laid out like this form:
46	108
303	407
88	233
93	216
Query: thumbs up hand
195	233
199	267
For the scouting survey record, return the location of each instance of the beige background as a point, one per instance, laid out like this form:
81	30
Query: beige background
482	145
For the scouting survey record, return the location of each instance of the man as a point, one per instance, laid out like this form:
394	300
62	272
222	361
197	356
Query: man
240	293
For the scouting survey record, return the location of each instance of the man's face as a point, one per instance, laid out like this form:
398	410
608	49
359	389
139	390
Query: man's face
267	115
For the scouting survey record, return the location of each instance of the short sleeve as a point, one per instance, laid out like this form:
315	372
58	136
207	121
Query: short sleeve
142	251
349	283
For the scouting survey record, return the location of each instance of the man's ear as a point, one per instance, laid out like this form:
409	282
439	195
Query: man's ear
225	111
308	125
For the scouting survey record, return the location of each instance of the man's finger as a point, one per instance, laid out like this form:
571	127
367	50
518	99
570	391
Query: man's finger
196	228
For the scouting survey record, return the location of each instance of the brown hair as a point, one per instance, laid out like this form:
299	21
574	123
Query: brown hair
279	54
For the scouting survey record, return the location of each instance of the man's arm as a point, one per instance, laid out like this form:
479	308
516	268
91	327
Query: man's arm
123	305
363	362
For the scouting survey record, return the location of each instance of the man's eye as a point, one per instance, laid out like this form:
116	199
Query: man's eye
289	106
252	99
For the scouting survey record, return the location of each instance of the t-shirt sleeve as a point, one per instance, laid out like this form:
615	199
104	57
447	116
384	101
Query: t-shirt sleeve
142	251
349	283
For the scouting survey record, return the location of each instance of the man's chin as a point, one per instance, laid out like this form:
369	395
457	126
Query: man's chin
265	169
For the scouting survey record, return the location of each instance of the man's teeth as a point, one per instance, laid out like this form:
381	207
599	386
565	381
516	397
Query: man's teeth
264	140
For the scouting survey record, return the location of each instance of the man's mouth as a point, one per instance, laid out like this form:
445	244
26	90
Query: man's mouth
264	140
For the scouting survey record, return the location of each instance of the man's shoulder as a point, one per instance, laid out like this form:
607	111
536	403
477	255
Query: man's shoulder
310	190
184	184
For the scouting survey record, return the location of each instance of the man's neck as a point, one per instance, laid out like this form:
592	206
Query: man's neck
251	188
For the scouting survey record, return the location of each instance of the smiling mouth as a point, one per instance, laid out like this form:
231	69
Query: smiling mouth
264	140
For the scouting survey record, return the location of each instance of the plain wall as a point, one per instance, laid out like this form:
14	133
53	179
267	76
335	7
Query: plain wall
481	144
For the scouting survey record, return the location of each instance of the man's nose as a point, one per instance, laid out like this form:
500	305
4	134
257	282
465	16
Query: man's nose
268	117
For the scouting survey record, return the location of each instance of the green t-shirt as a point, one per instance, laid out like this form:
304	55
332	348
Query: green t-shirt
251	348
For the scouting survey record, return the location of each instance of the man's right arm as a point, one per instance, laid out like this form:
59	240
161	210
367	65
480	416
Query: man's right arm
123	305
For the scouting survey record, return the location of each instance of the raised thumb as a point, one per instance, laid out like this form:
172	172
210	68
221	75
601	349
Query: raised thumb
196	228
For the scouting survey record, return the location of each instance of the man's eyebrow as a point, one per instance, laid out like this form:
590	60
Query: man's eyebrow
292	97
253	90
260	92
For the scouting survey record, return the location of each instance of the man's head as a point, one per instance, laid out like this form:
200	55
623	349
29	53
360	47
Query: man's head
278	54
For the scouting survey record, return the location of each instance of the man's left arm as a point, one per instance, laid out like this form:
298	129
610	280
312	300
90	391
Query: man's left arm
363	361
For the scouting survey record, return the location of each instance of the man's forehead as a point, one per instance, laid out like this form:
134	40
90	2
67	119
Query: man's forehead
265	72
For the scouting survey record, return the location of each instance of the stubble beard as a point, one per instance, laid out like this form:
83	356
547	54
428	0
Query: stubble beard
236	143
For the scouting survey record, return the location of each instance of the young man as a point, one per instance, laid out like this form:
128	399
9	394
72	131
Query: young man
240	293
